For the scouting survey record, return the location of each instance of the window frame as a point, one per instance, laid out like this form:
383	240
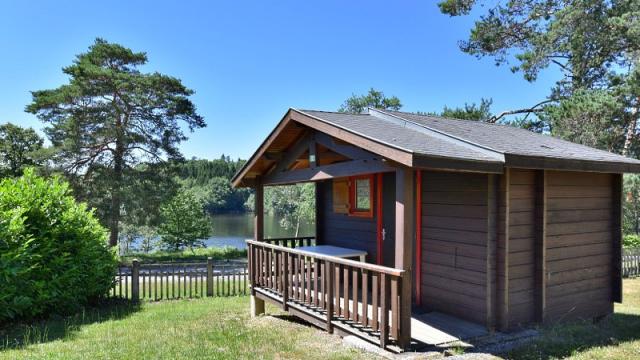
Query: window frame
353	211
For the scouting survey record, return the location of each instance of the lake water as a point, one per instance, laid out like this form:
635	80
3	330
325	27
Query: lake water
233	229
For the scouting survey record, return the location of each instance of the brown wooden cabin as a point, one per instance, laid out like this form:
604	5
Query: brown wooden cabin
485	222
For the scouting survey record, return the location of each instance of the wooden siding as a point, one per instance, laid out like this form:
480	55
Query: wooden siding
579	245
454	243
521	268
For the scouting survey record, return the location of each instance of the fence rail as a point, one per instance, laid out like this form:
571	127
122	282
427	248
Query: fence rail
156	282
363	297
631	263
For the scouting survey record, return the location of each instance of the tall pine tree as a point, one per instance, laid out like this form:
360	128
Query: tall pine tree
111	117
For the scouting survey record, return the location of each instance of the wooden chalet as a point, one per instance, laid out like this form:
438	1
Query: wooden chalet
491	225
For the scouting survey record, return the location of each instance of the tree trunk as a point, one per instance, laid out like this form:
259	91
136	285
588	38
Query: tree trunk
116	186
631	132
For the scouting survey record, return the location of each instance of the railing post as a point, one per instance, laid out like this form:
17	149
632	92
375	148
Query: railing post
210	276
329	278
135	285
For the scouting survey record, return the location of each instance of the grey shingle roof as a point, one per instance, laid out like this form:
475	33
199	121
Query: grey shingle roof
463	139
401	137
511	140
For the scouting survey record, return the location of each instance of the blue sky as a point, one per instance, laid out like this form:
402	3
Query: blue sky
250	61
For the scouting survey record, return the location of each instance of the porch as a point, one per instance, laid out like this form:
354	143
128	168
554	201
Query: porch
346	297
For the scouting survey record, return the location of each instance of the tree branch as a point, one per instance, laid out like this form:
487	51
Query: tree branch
533	109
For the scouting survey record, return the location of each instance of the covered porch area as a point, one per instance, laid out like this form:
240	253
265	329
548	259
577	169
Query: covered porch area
347	297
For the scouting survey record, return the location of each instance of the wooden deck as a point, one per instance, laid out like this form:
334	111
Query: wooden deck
436	329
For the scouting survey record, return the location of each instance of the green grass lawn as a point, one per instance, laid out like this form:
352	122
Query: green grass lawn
617	337
211	328
195	255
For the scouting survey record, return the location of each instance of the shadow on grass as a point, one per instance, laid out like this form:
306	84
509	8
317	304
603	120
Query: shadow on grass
21	334
564	340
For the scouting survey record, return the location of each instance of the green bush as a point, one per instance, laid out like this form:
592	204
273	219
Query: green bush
631	241
53	252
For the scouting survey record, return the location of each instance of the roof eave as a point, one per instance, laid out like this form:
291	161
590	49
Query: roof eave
549	163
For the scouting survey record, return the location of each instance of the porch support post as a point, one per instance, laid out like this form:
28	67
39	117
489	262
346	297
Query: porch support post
257	305
405	217
320	209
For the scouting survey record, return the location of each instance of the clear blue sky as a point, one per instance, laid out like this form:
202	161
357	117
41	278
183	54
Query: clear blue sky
250	61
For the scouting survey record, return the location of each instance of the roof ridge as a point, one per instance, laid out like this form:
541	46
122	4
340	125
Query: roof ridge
449	137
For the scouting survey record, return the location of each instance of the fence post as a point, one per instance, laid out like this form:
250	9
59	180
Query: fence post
135	284
209	276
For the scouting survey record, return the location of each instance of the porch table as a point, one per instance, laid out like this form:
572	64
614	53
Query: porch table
330	250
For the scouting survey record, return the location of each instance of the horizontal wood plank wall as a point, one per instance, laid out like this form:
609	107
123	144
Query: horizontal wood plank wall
579	245
454	242
521	230
502	250
347	231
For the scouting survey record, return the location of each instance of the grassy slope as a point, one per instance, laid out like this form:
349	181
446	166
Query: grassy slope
218	328
614	338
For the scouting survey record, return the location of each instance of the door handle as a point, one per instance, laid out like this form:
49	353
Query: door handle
384	234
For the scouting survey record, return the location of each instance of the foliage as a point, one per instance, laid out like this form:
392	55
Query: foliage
470	111
210	181
199	254
111	117
631	241
596	46
19	148
293	203
184	222
53	253
631	204
374	99
589	117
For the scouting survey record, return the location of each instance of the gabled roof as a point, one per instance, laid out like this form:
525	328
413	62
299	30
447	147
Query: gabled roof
440	143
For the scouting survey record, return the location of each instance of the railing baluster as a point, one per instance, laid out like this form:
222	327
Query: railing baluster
384	310
316	275
364	319
307	261
375	295
323	289
345	292
285	281
329	279
354	286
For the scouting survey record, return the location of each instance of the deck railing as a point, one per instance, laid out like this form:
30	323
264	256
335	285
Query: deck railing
359	298
292	242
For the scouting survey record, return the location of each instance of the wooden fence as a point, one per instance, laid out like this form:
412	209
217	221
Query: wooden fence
630	263
180	280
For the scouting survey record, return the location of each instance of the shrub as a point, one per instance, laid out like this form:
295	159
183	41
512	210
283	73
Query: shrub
631	241
53	252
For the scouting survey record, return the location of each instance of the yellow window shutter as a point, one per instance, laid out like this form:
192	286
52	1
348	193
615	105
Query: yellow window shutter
341	196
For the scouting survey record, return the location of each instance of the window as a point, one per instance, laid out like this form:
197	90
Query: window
353	196
361	196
